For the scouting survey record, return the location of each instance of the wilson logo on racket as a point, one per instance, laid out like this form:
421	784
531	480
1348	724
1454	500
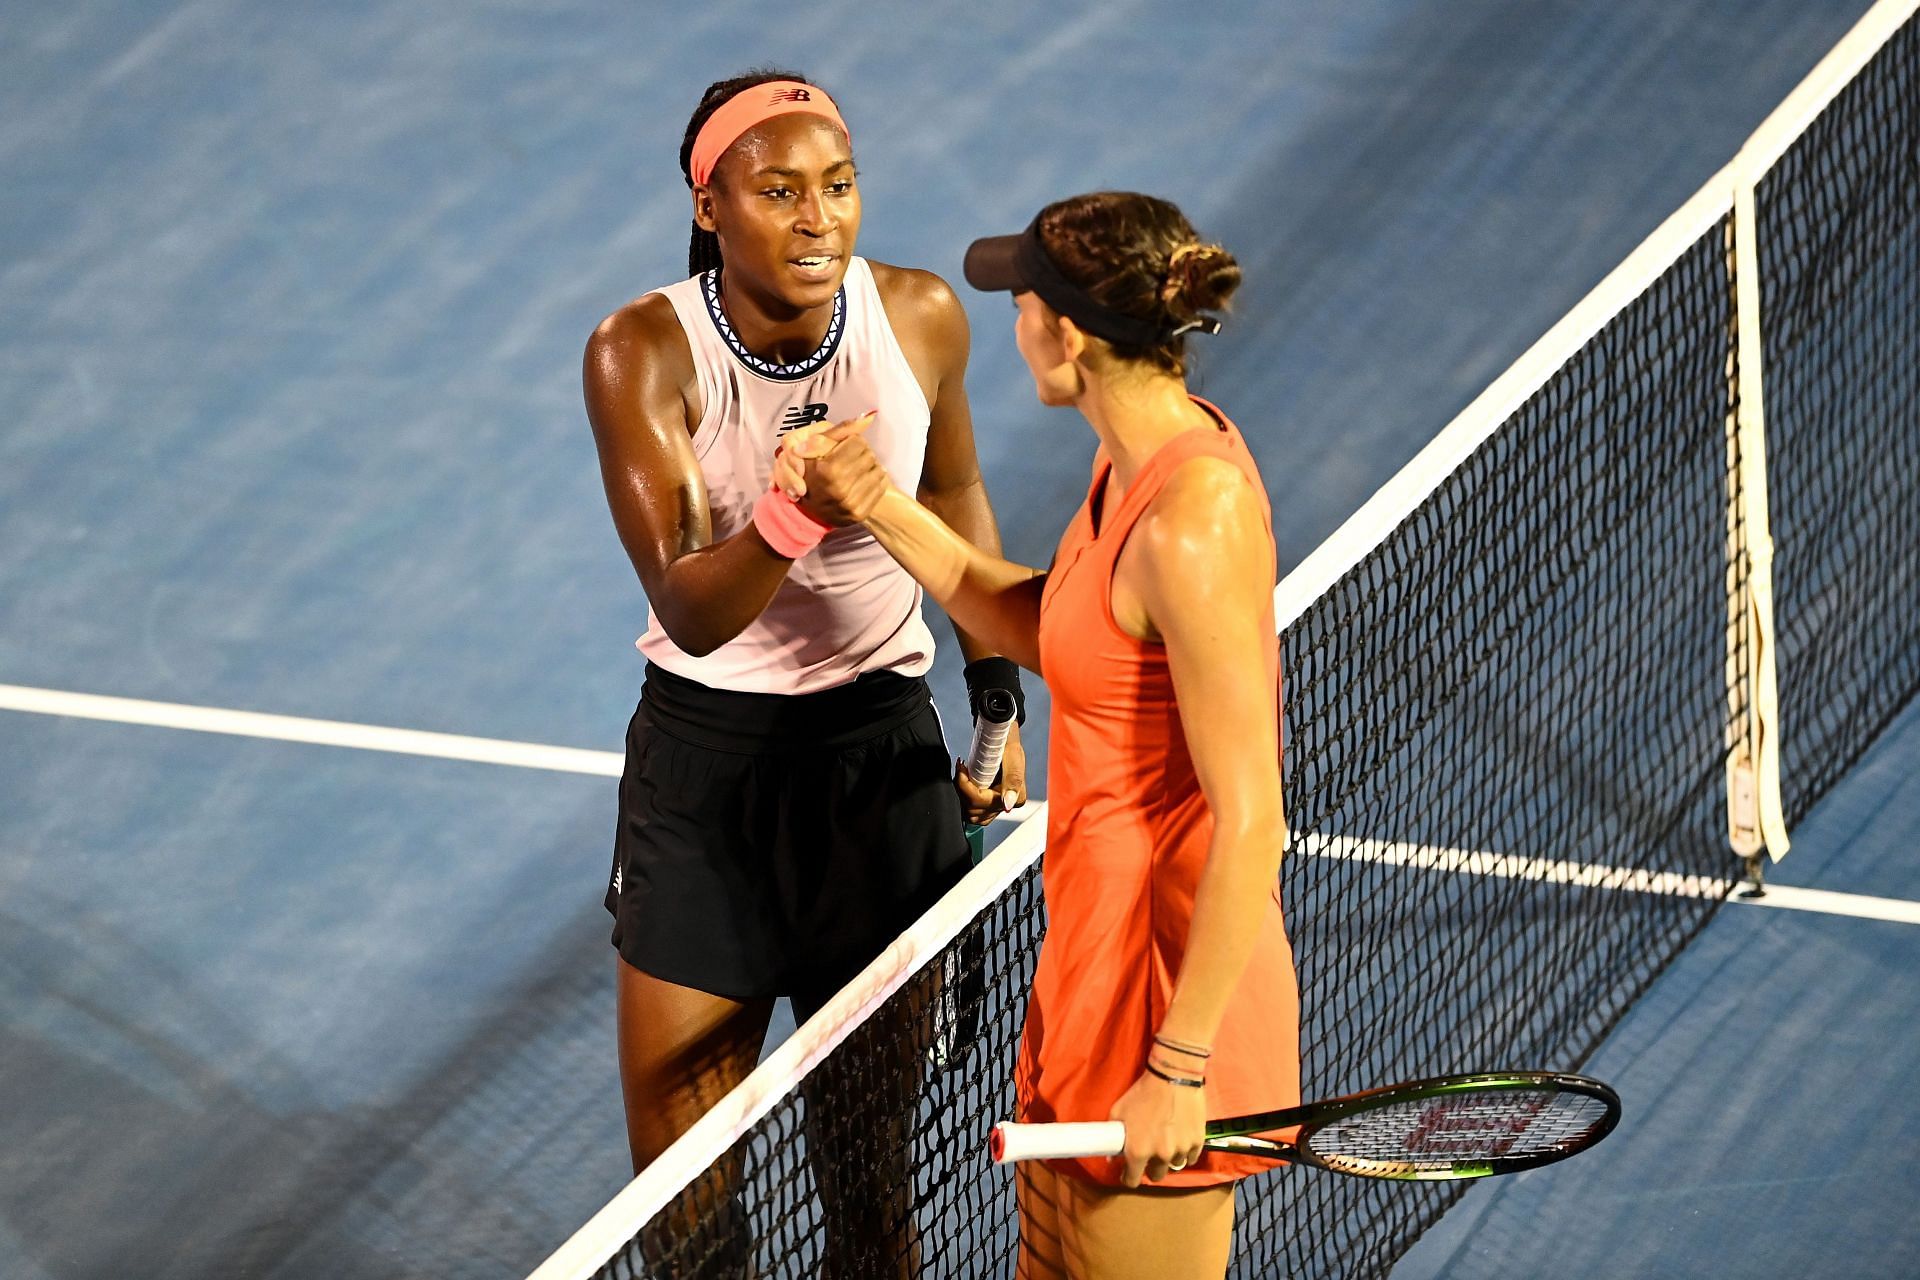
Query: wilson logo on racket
1446	1130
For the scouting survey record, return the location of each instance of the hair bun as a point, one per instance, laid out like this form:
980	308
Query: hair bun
1200	277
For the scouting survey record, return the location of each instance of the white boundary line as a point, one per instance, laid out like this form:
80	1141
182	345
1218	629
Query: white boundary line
1597	875
1507	866
1860	906
607	764
329	733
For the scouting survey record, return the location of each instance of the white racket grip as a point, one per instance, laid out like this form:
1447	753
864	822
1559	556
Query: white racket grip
990	736
1011	1141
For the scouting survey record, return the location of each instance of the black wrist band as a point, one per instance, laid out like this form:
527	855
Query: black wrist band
994	673
1182	1081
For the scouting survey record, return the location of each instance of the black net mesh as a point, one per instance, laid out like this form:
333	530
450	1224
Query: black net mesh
1526	680
876	1164
1839	238
1533	664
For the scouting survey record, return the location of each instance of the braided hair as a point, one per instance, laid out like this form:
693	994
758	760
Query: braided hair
1139	255
703	251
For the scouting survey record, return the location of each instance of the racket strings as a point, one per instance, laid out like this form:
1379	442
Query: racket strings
1434	1134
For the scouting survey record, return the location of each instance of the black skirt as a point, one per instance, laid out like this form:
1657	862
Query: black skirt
774	844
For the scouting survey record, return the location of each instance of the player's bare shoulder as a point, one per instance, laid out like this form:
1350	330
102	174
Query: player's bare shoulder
1206	525
644	331
638	361
926	316
917	297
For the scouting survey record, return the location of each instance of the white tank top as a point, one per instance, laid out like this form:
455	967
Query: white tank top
846	607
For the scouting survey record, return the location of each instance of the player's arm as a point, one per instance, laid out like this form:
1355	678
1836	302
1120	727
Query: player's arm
641	397
950	482
994	599
1203	568
952	488
1199	565
951	544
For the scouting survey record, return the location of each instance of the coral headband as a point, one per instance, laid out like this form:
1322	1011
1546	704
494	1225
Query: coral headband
752	107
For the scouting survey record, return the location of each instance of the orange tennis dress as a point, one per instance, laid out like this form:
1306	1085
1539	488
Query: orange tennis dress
1127	839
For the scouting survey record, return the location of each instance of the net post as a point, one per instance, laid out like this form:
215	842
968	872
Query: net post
1756	821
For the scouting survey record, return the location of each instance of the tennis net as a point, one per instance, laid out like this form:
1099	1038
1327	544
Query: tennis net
1839	232
1518	682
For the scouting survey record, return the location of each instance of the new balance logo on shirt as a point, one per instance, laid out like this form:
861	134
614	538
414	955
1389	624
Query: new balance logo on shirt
801	415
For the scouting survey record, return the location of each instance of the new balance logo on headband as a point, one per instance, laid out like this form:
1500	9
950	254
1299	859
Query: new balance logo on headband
792	95
801	415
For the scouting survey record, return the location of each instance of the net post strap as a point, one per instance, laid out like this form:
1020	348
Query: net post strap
1756	815
1753	793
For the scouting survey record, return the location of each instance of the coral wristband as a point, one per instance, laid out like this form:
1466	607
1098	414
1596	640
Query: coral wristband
790	531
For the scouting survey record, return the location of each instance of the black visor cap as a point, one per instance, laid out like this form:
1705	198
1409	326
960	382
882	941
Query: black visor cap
1019	264
990	266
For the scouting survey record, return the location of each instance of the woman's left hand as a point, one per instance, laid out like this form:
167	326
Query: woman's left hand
1166	1127
983	804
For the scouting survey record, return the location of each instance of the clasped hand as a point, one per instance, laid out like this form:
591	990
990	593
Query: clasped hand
831	471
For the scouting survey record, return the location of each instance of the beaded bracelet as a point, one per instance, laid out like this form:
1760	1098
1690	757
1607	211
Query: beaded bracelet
1177	1068
1177	1047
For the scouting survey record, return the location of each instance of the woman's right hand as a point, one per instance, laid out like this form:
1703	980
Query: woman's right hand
1166	1128
832	471
796	447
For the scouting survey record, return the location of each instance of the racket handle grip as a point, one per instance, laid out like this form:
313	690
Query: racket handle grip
990	735
1056	1141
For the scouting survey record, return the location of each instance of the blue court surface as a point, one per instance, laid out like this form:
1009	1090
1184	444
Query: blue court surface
292	302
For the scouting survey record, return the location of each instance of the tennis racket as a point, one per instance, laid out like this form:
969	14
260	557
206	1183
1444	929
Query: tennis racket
1428	1130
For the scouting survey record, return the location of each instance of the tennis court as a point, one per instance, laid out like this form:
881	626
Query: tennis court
288	366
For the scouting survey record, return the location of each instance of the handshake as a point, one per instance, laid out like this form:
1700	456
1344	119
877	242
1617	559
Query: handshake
831	471
824	477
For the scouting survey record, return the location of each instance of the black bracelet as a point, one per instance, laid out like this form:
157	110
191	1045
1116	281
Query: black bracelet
983	674
1177	1047
1182	1081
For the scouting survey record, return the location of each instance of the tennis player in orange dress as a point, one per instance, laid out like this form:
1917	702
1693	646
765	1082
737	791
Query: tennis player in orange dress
1165	992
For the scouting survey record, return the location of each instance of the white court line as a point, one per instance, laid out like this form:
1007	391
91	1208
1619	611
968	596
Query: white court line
1506	866
607	764
328	733
1859	905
